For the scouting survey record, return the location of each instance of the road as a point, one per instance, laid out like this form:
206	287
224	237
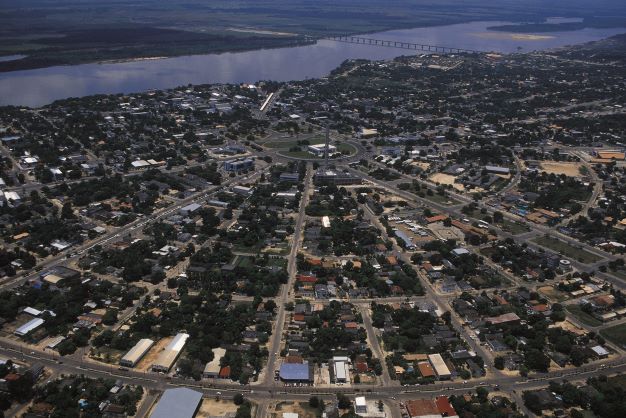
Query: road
286	290
126	229
375	346
597	189
536	229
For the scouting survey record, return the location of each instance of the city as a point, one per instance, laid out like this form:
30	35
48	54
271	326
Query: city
433	235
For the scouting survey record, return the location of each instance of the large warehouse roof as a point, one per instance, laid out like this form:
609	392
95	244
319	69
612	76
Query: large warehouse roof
294	371
177	403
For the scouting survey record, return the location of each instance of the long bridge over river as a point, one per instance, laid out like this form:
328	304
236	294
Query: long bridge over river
398	44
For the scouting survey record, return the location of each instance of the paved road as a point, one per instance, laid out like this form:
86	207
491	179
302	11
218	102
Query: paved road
375	346
536	229
286	290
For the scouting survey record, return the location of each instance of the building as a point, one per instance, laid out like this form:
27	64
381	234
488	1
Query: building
404	238
177	403
600	351
242	190
439	366
360	405
170	354
510	318
342	374
426	370
422	408
289	177
189	209
326	177
319	150
239	165
132	357
28	327
445	408
497	170
325	222
295	373
212	368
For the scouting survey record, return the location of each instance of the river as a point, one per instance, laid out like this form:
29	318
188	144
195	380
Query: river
41	86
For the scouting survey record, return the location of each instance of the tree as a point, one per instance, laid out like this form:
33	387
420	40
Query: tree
109	317
244	411
343	402
67	212
314	402
498	362
66	347
238	399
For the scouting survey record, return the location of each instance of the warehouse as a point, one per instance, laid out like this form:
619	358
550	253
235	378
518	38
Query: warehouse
31	325
408	244
212	368
341	372
168	356
132	357
295	373
439	366
178	403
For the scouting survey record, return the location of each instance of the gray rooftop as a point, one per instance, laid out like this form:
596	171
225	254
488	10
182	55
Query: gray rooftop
177	403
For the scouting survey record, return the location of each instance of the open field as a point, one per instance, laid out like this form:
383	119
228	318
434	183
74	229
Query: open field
567	250
616	334
568	168
513	227
146	362
553	294
446	179
442	200
301	408
286	144
583	317
214	408
570	327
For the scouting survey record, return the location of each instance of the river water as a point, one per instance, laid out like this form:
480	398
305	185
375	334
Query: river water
42	86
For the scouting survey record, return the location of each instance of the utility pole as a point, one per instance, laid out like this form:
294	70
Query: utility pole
326	147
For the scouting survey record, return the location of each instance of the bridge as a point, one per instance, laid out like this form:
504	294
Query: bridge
402	45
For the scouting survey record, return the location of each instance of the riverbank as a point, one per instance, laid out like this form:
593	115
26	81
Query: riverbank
96	46
41	86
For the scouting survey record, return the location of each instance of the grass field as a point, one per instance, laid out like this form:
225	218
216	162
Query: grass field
616	334
513	227
567	250
442	200
584	317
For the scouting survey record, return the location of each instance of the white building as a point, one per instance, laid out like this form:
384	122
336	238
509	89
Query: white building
135	354
170	354
360	405
31	325
319	150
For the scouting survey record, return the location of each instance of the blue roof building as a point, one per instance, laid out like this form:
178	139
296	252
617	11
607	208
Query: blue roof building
294	372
